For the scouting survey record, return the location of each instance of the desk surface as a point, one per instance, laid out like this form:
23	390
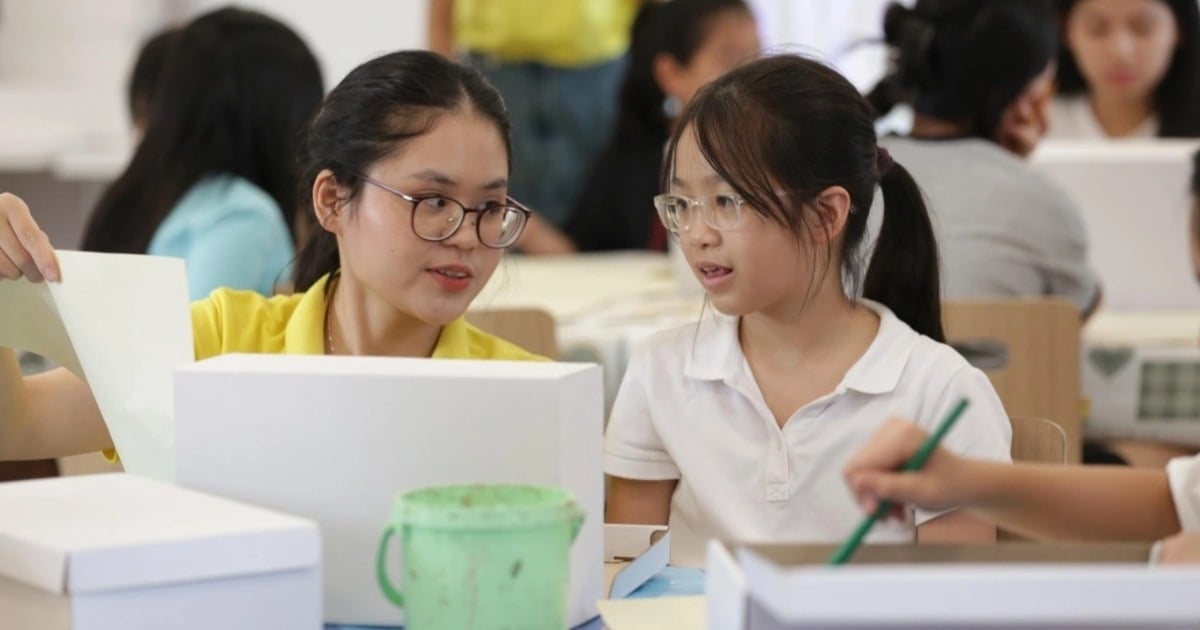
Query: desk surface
570	287
1150	328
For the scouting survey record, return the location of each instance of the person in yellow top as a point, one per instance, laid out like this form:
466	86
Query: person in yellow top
407	162
557	63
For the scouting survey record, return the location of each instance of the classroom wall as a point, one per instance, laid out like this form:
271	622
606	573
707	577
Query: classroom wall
345	33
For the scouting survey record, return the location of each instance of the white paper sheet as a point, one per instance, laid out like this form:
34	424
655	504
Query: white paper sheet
122	324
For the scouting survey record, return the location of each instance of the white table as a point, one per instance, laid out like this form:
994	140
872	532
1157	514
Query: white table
604	304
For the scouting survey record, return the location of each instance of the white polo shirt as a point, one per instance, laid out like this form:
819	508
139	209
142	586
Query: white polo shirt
1184	476
690	409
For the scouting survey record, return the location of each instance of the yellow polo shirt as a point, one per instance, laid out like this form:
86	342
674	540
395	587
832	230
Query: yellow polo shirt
231	321
563	33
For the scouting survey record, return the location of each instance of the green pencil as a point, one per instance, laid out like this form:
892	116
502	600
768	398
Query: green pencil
843	553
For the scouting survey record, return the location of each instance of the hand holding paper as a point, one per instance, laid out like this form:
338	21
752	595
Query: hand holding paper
122	324
25	250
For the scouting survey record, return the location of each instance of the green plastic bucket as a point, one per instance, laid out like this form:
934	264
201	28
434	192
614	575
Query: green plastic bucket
482	557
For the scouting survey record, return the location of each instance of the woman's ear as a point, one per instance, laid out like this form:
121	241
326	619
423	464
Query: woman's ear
833	210
328	201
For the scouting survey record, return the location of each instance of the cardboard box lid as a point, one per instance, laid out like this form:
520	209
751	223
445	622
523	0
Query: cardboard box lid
914	585
98	533
276	364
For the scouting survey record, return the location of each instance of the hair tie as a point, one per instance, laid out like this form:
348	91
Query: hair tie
883	161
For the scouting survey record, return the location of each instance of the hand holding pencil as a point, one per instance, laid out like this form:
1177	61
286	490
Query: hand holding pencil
876	474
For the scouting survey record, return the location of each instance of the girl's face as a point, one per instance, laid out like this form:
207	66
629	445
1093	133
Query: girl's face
731	38
757	265
1123	47
461	158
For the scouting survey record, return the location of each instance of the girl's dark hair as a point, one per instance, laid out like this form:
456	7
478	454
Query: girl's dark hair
787	123
965	60
677	28
148	72
370	115
237	88
1178	95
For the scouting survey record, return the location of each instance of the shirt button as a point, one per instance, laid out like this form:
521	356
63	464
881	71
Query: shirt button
777	492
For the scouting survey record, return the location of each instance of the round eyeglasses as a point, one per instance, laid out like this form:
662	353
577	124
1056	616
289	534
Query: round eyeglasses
436	218
720	212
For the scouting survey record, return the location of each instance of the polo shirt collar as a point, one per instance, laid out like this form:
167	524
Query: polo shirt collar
879	369
717	354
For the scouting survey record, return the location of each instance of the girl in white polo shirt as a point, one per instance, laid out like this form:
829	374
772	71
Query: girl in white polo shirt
737	427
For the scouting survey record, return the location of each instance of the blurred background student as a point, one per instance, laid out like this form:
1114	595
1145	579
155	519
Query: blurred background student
678	46
979	76
557	64
1128	69
213	179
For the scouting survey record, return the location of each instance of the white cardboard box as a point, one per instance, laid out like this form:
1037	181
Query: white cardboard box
337	439
1026	585
109	552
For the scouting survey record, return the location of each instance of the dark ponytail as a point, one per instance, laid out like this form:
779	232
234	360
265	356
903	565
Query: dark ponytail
965	60
911	42
378	107
903	273
787	123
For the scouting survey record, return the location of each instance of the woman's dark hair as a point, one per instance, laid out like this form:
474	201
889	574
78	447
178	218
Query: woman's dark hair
787	123
237	89
147	74
619	178
370	115
965	60
1178	95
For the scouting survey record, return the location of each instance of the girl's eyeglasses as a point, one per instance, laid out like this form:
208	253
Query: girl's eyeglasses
720	212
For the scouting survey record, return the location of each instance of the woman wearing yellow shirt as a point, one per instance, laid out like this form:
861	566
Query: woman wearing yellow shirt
405	169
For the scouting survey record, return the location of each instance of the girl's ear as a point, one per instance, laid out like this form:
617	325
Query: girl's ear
833	208
328	202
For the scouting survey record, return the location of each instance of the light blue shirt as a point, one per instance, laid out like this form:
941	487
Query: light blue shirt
230	233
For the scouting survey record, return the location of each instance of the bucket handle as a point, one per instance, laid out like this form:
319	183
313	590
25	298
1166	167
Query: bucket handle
381	575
